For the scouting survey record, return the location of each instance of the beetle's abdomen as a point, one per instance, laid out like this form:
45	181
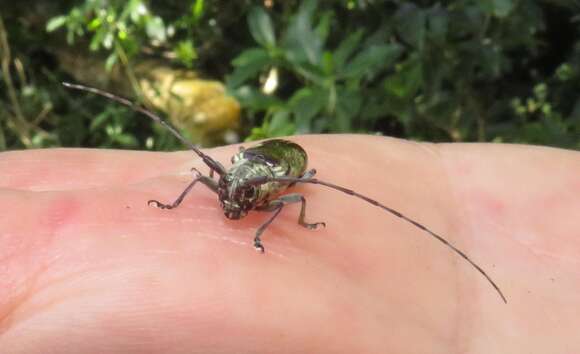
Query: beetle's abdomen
284	157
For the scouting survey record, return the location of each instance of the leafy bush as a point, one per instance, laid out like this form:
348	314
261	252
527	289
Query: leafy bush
463	70
427	72
334	89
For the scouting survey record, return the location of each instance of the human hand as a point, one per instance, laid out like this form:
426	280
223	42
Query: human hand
87	267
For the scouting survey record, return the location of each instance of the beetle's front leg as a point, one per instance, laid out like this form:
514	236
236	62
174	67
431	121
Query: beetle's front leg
210	183
276	206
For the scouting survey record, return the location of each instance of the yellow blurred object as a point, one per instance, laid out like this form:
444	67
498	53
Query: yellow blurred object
199	106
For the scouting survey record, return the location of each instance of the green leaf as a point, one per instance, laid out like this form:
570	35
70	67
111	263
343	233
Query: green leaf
301	42
55	23
261	27
186	53
323	28
410	24
346	49
155	29
98	39
375	107
126	140
95	24
327	63
502	8
565	72
371	59
108	40
248	65
407	79
197	9
280	124
111	61
437	23
258	133
99	121
135	10
306	103
311	73
347	108
253	99
251	56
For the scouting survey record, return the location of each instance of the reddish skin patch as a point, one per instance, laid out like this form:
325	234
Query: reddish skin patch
492	206
60	213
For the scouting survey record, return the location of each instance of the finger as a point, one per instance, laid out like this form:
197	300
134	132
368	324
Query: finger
191	273
191	269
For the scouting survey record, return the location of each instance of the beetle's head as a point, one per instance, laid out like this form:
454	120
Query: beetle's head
236	198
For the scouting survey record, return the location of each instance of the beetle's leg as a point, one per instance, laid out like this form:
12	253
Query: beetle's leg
211	173
295	198
210	183
276	206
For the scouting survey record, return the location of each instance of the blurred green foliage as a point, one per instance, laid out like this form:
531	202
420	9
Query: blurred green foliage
464	70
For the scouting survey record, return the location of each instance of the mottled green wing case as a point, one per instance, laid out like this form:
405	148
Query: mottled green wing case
290	156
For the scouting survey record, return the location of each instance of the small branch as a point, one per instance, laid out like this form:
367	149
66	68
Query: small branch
20	123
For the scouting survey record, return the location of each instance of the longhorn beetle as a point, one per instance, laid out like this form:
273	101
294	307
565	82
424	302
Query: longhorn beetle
257	177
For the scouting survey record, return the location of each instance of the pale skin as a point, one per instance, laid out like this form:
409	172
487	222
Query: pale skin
86	266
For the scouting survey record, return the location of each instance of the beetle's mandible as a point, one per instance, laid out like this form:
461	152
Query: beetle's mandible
257	177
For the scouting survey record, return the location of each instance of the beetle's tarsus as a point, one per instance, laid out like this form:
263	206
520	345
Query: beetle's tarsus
159	205
314	225
196	172
258	246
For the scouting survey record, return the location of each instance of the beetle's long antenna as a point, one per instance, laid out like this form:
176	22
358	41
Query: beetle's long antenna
266	179
211	163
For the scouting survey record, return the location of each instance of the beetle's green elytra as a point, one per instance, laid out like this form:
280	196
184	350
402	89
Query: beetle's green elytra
286	156
258	177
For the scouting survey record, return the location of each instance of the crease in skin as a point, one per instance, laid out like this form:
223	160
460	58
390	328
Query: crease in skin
9	252
41	296
28	290
29	255
26	305
554	256
529	247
